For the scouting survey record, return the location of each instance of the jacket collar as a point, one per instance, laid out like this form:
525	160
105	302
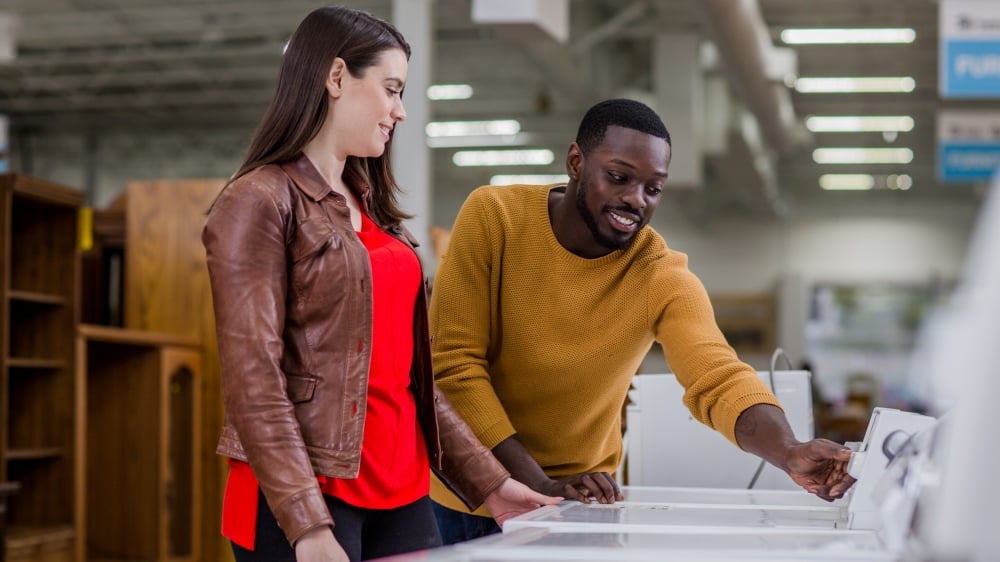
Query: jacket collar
307	178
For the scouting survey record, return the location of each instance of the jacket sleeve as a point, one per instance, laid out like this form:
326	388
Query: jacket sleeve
458	458
245	241
467	468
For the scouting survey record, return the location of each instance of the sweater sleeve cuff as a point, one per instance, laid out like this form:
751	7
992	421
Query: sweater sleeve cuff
493	435
730	412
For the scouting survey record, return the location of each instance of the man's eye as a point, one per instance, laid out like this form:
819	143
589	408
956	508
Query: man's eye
617	178
654	189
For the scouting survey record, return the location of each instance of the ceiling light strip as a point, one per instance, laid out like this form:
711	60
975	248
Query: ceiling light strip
859	123
526	157
839	36
863	155
855	84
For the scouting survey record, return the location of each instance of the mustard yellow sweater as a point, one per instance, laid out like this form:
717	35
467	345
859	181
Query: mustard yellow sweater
534	340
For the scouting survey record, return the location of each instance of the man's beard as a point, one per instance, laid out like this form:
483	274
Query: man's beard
591	221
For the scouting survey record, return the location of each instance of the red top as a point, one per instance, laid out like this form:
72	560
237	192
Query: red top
394	466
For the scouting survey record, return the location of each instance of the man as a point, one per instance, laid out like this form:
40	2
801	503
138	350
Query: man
547	301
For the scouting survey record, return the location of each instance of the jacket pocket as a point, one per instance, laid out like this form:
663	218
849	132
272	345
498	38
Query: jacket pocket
300	389
311	237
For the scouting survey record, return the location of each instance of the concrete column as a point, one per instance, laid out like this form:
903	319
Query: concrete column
8	37
679	89
7	52
411	158
4	145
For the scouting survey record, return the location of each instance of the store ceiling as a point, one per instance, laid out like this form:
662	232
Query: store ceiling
211	63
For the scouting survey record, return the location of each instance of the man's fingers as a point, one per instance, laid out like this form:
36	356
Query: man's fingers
609	487
595	487
570	492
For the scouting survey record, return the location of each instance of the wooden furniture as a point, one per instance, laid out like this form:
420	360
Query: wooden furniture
6	489
141	410
747	321
166	289
102	269
39	442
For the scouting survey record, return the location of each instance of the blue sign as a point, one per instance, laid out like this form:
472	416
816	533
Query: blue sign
969	48
971	69
967	162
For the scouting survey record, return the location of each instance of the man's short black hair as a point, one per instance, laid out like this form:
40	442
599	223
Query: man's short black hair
620	112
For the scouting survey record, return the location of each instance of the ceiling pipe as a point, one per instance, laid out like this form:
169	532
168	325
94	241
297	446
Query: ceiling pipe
744	45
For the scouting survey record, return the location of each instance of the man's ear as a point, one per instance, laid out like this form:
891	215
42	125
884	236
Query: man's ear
574	161
334	78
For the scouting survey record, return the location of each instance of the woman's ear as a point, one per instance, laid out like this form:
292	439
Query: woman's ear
335	77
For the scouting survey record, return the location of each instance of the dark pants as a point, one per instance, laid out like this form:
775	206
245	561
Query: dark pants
456	526
363	533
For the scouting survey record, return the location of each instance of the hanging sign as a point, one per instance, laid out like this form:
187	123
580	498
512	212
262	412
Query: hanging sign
968	145
969	48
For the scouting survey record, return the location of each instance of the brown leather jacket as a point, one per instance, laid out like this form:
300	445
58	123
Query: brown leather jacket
291	289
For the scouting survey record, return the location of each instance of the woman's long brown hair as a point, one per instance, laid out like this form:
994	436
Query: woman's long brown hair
300	102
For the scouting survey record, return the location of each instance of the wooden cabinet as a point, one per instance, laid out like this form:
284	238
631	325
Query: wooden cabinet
141	411
39	447
166	289
747	321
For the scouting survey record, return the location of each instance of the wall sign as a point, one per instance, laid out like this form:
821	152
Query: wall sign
968	145
969	49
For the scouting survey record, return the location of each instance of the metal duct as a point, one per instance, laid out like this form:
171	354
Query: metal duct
738	31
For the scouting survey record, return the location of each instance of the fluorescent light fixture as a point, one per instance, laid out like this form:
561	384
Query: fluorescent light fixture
520	139
854	123
472	128
862	155
533	179
527	157
845	85
852	182
449	92
826	36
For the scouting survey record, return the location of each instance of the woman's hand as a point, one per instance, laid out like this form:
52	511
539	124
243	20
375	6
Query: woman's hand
513	498
319	545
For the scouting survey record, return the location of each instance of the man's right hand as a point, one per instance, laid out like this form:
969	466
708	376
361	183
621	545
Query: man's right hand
585	487
582	487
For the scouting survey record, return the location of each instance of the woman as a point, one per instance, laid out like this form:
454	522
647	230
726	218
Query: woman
331	410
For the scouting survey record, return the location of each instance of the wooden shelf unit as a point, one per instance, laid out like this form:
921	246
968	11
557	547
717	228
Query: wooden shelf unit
142	443
38	409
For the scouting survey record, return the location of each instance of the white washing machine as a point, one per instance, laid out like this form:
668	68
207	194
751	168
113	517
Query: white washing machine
607	545
717	524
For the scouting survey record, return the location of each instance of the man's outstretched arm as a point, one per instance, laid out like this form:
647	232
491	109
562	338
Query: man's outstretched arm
819	466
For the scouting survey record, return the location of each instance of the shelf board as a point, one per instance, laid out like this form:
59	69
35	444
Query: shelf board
39	453
19	536
38	298
112	334
32	363
44	191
